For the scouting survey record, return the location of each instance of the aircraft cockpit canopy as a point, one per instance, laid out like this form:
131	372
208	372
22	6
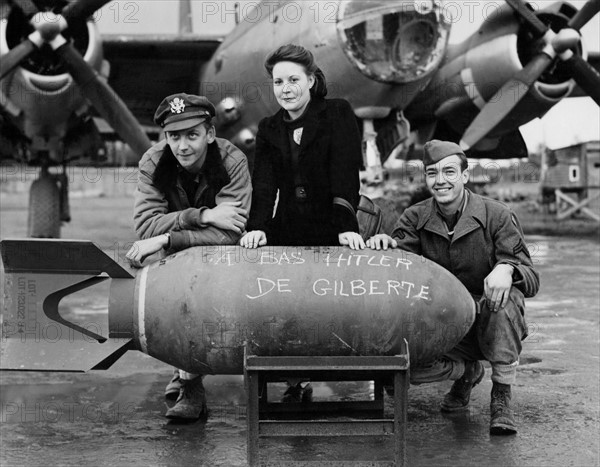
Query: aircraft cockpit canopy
394	41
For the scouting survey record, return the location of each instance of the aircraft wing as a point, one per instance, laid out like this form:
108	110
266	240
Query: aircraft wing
145	69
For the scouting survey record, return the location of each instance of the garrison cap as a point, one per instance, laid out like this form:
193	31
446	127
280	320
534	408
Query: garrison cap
435	150
181	111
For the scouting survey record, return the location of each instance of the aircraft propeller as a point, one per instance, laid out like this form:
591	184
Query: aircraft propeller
48	28
27	7
553	45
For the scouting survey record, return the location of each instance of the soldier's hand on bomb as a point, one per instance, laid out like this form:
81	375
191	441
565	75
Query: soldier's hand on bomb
144	248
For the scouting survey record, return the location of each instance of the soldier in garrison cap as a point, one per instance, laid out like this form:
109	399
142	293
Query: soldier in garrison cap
193	189
481	242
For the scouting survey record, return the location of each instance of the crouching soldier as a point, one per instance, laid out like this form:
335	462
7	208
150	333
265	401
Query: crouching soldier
481	242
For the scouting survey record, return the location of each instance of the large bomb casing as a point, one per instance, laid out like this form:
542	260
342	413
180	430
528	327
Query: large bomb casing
200	308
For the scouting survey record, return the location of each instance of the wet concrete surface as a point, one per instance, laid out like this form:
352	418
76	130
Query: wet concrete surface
115	417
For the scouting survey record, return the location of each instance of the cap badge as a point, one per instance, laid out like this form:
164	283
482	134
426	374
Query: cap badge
177	105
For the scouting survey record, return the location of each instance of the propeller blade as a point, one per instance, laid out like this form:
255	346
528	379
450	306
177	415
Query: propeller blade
536	27
587	12
27	7
506	99
4	9
586	76
104	99
15	56
81	9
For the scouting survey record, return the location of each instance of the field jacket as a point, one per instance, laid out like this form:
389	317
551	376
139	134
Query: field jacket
487	234
159	211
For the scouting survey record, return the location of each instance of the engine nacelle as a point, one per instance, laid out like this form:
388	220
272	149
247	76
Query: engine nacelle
476	70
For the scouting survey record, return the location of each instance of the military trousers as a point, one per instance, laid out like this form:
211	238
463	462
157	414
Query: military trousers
494	336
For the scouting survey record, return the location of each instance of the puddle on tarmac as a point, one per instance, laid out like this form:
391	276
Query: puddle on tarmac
528	360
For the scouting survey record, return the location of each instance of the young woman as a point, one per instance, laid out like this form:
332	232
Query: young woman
310	153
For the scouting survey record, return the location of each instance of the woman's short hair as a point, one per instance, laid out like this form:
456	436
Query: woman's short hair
301	56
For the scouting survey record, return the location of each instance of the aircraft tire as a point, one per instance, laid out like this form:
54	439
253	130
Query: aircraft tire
44	208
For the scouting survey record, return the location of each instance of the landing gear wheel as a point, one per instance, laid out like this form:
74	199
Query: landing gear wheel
44	207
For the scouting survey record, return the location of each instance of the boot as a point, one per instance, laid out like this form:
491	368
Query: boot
191	403
298	393
502	420
460	393
174	386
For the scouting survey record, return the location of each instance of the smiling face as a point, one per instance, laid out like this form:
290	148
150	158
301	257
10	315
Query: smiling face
446	182
189	146
291	86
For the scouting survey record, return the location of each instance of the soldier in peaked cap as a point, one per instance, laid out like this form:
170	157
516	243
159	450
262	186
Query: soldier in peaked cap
193	189
481	242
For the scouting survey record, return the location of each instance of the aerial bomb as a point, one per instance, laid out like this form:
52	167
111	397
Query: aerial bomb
198	309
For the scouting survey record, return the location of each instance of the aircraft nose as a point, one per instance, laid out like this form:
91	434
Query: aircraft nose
394	41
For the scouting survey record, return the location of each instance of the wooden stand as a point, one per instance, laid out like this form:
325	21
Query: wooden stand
271	419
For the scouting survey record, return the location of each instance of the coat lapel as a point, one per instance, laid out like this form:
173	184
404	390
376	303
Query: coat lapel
472	218
432	222
314	121
276	134
278	138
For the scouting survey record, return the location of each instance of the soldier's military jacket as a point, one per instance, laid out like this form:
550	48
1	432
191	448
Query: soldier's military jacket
487	233
162	205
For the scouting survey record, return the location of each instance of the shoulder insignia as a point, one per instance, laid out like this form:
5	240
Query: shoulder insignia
521	248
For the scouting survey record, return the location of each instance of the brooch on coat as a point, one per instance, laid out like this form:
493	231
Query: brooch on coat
298	135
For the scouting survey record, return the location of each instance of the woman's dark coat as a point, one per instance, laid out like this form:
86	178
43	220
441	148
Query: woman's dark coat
329	163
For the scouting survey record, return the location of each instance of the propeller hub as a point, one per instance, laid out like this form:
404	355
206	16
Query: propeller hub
567	38
48	24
